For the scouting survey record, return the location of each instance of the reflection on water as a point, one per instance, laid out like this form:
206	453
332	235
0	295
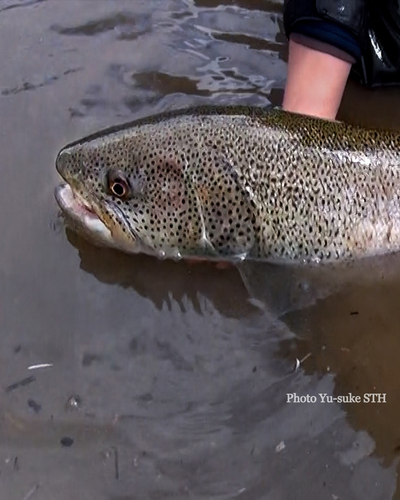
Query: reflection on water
180	373
166	282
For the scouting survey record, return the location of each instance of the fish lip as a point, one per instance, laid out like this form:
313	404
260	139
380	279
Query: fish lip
81	214
68	201
60	163
83	217
59	195
86	221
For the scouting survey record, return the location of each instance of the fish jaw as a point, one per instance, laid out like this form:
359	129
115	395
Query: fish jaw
96	225
82	215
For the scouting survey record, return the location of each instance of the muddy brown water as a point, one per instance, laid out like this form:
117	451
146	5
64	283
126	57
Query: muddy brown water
166	381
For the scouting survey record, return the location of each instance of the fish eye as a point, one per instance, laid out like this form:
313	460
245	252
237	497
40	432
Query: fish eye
118	185
119	188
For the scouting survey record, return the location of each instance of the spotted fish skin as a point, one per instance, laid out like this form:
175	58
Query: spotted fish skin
239	182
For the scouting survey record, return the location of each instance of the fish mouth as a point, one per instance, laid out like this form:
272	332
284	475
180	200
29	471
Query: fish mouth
83	217
81	213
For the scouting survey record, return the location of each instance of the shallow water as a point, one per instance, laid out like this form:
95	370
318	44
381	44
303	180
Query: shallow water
165	380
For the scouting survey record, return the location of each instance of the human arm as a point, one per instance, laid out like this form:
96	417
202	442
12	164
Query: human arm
315	82
324	42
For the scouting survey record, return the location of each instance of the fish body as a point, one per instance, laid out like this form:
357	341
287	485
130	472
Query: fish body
236	183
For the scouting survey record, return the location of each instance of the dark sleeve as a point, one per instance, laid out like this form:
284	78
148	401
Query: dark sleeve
337	27
380	62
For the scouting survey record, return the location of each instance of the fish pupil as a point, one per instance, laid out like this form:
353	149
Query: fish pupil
118	188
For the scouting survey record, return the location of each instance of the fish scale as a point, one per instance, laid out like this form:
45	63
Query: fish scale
239	182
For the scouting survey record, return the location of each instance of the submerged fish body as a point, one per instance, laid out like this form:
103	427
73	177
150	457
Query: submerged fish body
236	183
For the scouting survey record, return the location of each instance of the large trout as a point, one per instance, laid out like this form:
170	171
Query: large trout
236	183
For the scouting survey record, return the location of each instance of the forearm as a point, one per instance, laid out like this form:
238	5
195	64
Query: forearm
325	39
315	81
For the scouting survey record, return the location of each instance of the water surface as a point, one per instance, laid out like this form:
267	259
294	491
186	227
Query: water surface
165	381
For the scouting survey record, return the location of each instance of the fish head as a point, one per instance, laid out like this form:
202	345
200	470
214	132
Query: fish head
168	186
127	190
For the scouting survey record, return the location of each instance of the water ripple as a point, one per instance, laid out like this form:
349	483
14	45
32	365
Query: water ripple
125	24
48	80
27	3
